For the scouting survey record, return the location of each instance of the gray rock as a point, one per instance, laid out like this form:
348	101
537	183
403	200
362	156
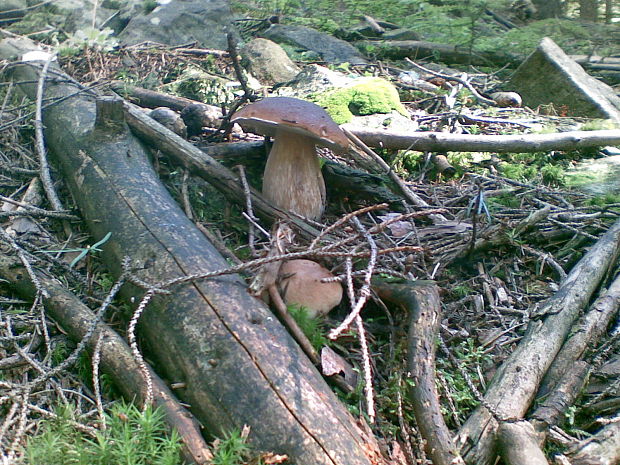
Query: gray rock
596	176
78	14
330	49
177	22
13	48
268	62
199	115
549	76
311	80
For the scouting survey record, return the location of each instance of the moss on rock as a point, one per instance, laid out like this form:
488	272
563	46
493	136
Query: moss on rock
366	96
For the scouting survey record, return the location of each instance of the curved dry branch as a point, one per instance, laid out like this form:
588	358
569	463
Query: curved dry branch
421	300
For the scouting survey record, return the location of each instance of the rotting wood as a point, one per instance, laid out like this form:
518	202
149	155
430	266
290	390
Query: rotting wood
420	299
442	165
516	381
75	319
603	448
552	410
587	333
237	362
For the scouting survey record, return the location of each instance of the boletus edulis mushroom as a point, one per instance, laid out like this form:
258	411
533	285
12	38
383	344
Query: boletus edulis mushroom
292	180
300	284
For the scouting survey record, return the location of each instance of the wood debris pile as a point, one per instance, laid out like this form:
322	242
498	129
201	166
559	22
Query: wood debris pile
516	266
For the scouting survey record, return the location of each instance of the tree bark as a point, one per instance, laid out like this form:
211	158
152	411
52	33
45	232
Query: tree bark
518	444
239	365
588	10
549	8
601	449
587	334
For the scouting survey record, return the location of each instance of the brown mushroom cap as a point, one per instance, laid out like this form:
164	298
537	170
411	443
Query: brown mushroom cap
301	285
299	116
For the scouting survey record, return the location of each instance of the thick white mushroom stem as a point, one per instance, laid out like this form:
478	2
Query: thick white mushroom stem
293	179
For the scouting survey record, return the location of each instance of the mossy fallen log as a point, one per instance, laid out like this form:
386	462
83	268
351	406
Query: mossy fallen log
239	365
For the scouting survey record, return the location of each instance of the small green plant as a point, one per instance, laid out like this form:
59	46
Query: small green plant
462	290
518	171
311	327
232	450
148	6
504	200
60	351
470	356
604	200
131	437
599	124
395	387
552	174
461	161
89	38
83	251
406	162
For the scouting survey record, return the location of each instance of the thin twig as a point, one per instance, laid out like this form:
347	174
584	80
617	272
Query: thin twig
447	77
345	219
96	384
131	336
413	198
364	292
248	206
44	168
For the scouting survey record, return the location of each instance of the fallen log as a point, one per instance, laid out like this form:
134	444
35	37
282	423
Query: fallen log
420	141
446	53
445	142
518	444
516	382
603	448
239	365
75	319
591	328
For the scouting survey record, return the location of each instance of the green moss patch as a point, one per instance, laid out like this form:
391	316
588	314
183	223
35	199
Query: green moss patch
366	96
